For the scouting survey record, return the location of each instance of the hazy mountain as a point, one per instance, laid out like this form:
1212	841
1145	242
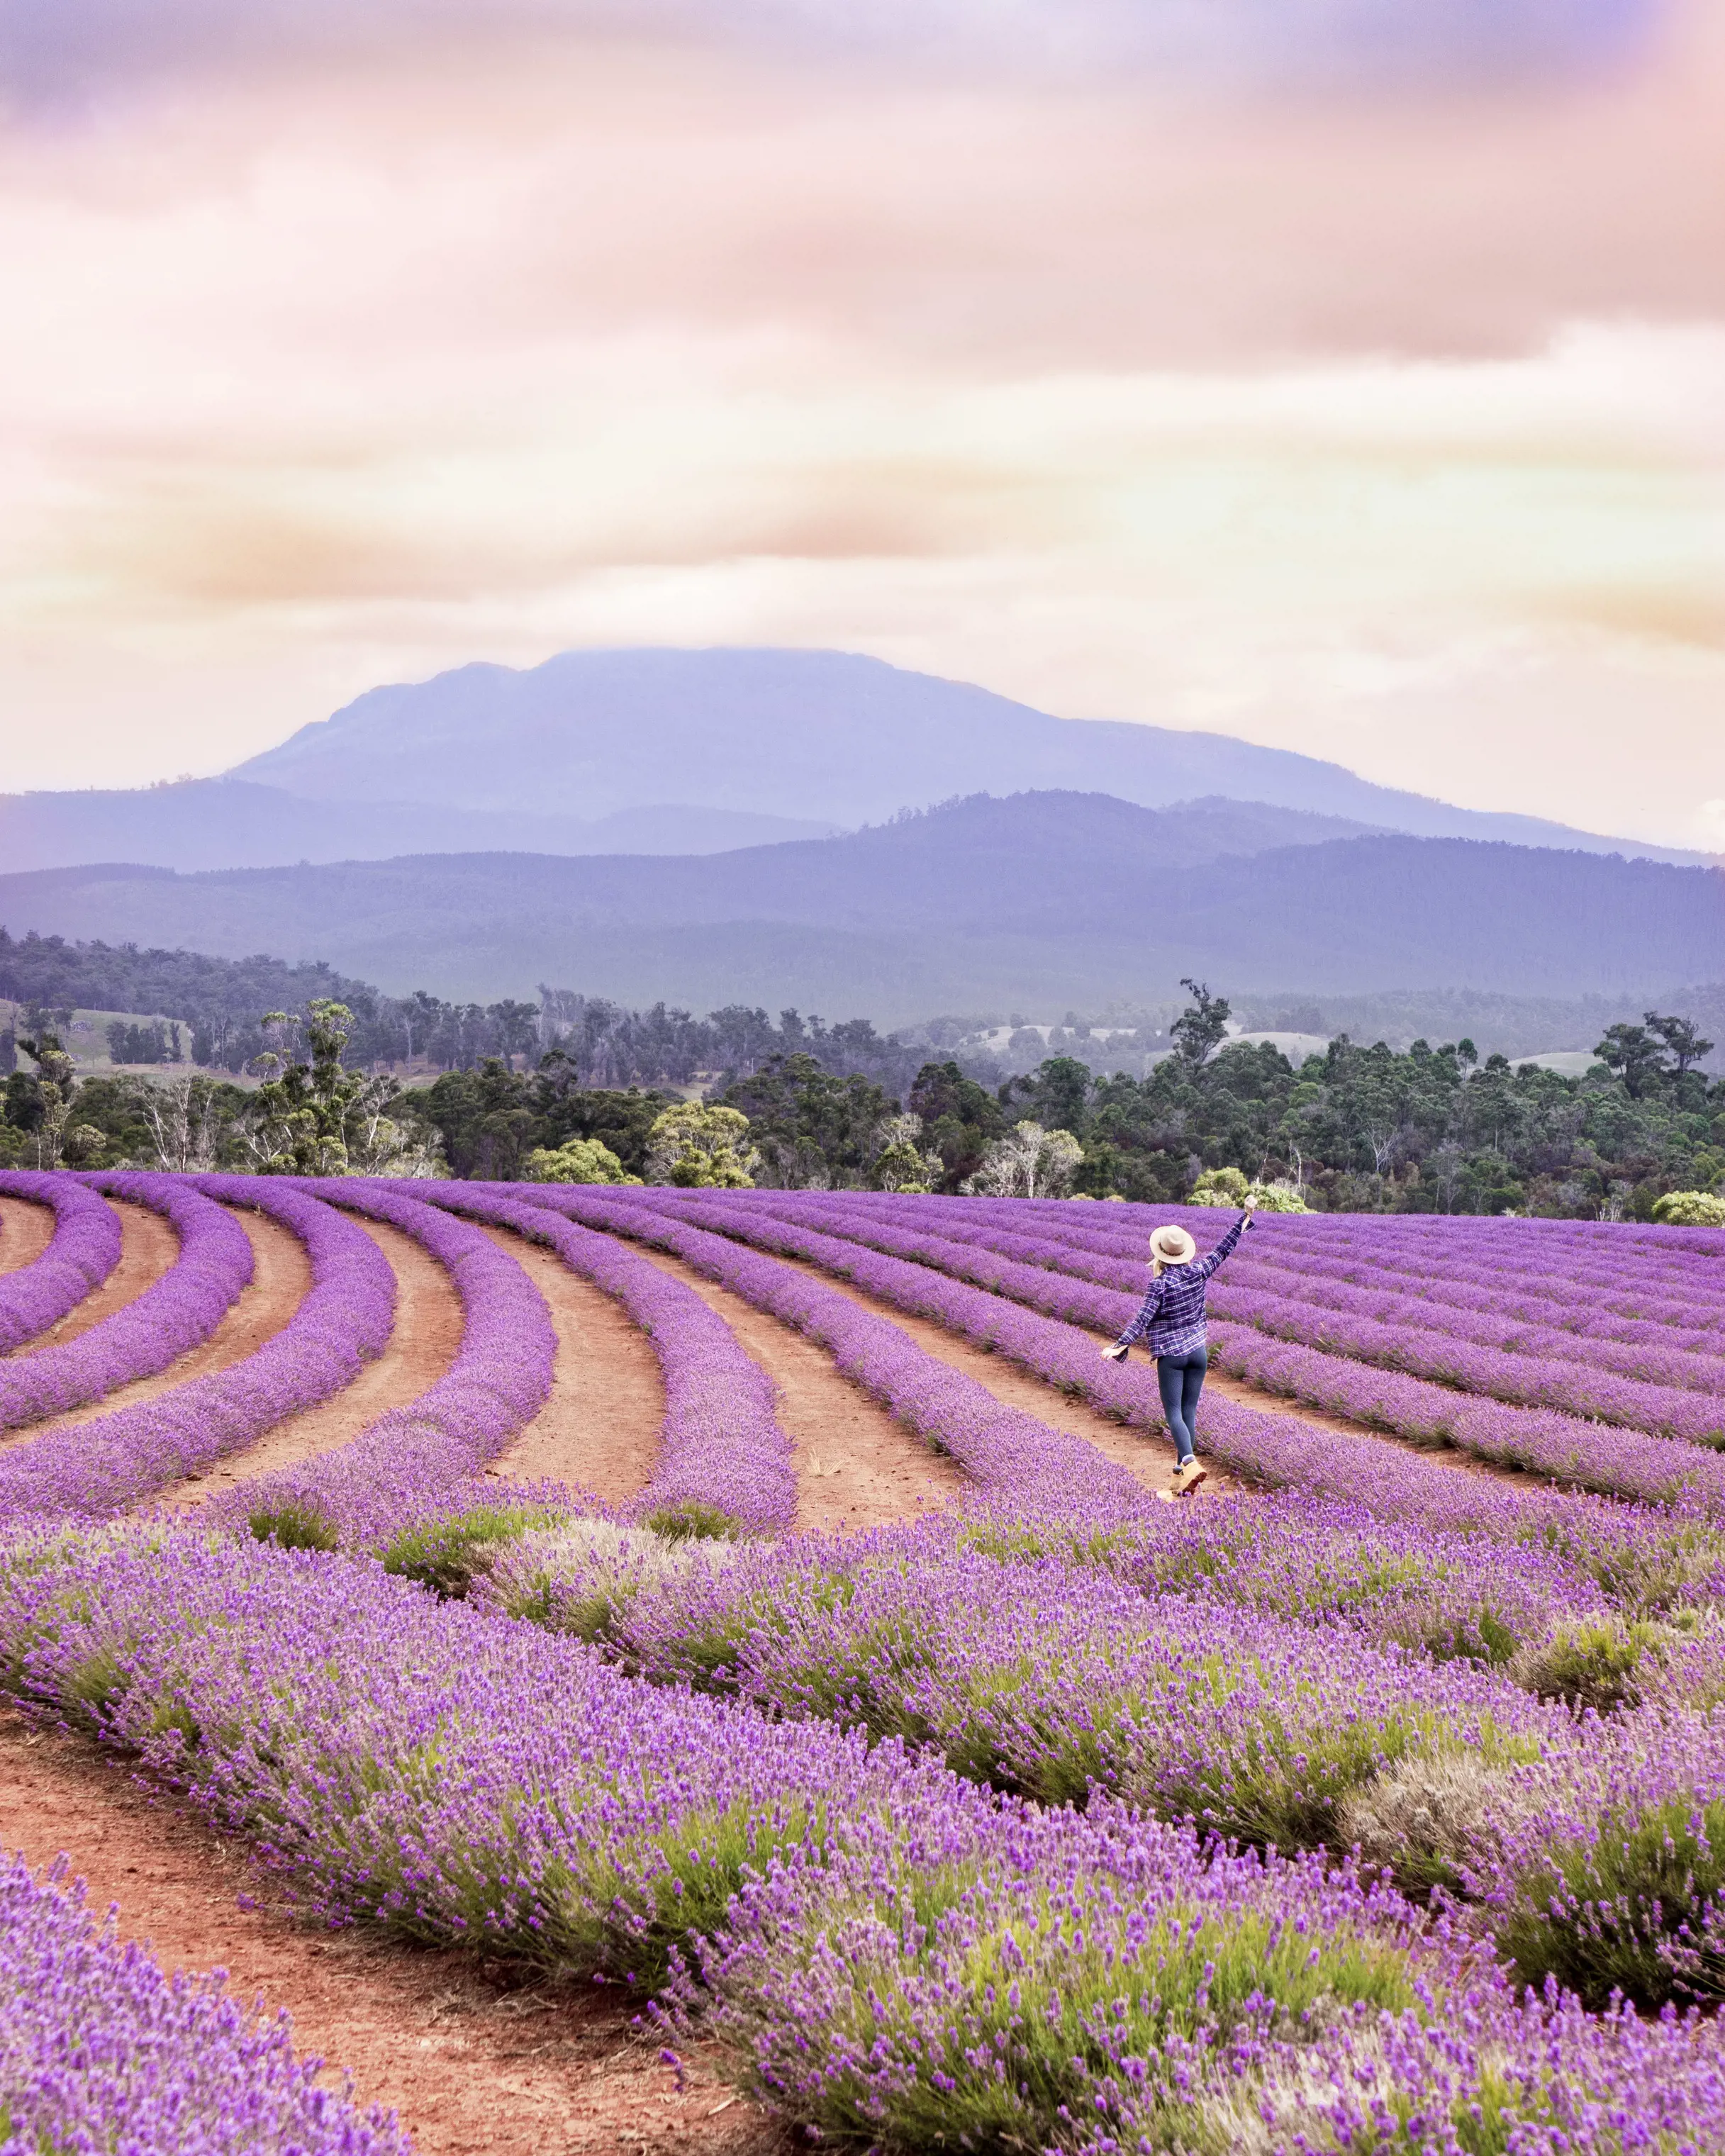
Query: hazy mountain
1047	900
230	823
820	735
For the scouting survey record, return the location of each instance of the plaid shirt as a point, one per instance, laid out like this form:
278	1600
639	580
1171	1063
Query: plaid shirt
1172	1320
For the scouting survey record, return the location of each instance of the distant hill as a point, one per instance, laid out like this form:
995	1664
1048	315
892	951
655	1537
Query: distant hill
232	823
1046	900
825	735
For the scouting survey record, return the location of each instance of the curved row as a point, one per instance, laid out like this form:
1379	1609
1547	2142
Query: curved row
177	1312
721	1449
1566	1449
1000	1448
83	1251
364	1492
1543	1368
103	2051
117	1459
467	1782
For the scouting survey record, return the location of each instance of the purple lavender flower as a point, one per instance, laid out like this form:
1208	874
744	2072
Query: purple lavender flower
99	2050
82	1251
182	1308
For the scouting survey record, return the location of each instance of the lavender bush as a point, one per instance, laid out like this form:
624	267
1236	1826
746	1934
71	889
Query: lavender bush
103	1465
82	1251
407	1463
177	1312
99	2050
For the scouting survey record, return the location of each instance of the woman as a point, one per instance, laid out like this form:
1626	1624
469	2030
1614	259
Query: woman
1172	1324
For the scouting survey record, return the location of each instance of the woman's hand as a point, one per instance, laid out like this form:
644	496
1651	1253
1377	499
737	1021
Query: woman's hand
1116	1353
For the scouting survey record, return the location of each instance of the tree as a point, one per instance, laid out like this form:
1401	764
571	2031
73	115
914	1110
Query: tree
1681	1037
960	1119
1690	1208
1637	1055
56	1084
699	1146
320	1118
1030	1163
1057	1094
1202	1028
181	1117
902	1164
1221	1186
577	1160
813	1131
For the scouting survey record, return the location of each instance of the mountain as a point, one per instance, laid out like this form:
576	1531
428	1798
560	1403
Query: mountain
231	822
825	735
1047	900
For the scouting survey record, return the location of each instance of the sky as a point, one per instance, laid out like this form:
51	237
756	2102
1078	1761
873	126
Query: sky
1346	375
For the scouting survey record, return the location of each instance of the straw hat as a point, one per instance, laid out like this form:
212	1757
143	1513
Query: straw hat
1173	1246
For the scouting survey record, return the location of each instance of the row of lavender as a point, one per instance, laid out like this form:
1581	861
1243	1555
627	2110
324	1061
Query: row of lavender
832	2092
893	1952
965	1244
82	1250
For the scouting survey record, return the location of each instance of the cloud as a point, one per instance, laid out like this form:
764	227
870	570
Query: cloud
78	45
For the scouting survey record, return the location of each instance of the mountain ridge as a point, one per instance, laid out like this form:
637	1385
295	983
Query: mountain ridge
838	736
1052	898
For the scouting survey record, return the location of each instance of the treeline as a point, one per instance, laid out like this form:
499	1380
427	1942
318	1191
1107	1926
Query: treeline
222	1003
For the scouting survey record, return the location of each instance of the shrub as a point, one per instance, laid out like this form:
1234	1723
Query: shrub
577	1160
1690	1208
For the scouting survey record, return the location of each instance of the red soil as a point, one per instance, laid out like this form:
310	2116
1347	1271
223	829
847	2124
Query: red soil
469	2063
422	1346
599	1429
25	1231
855	1466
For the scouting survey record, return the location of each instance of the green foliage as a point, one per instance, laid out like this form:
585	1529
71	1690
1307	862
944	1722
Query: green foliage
699	1146
689	1520
1221	1186
1040	1990
577	1160
811	1128
1691	1208
444	1554
294	1526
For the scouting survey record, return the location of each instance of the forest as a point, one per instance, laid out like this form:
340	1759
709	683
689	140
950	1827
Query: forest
1358	1128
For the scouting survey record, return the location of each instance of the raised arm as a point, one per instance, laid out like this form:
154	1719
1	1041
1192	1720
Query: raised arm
1206	1266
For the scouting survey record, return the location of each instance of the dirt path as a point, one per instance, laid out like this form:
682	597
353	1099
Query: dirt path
281	1274
1150	1458
423	1345
599	1429
469	2064
148	1247
25	1233
855	1466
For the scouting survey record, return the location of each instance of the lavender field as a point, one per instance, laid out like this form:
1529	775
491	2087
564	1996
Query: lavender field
1371	1798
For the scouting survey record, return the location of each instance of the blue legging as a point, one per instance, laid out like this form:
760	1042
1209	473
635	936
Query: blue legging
1179	1378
